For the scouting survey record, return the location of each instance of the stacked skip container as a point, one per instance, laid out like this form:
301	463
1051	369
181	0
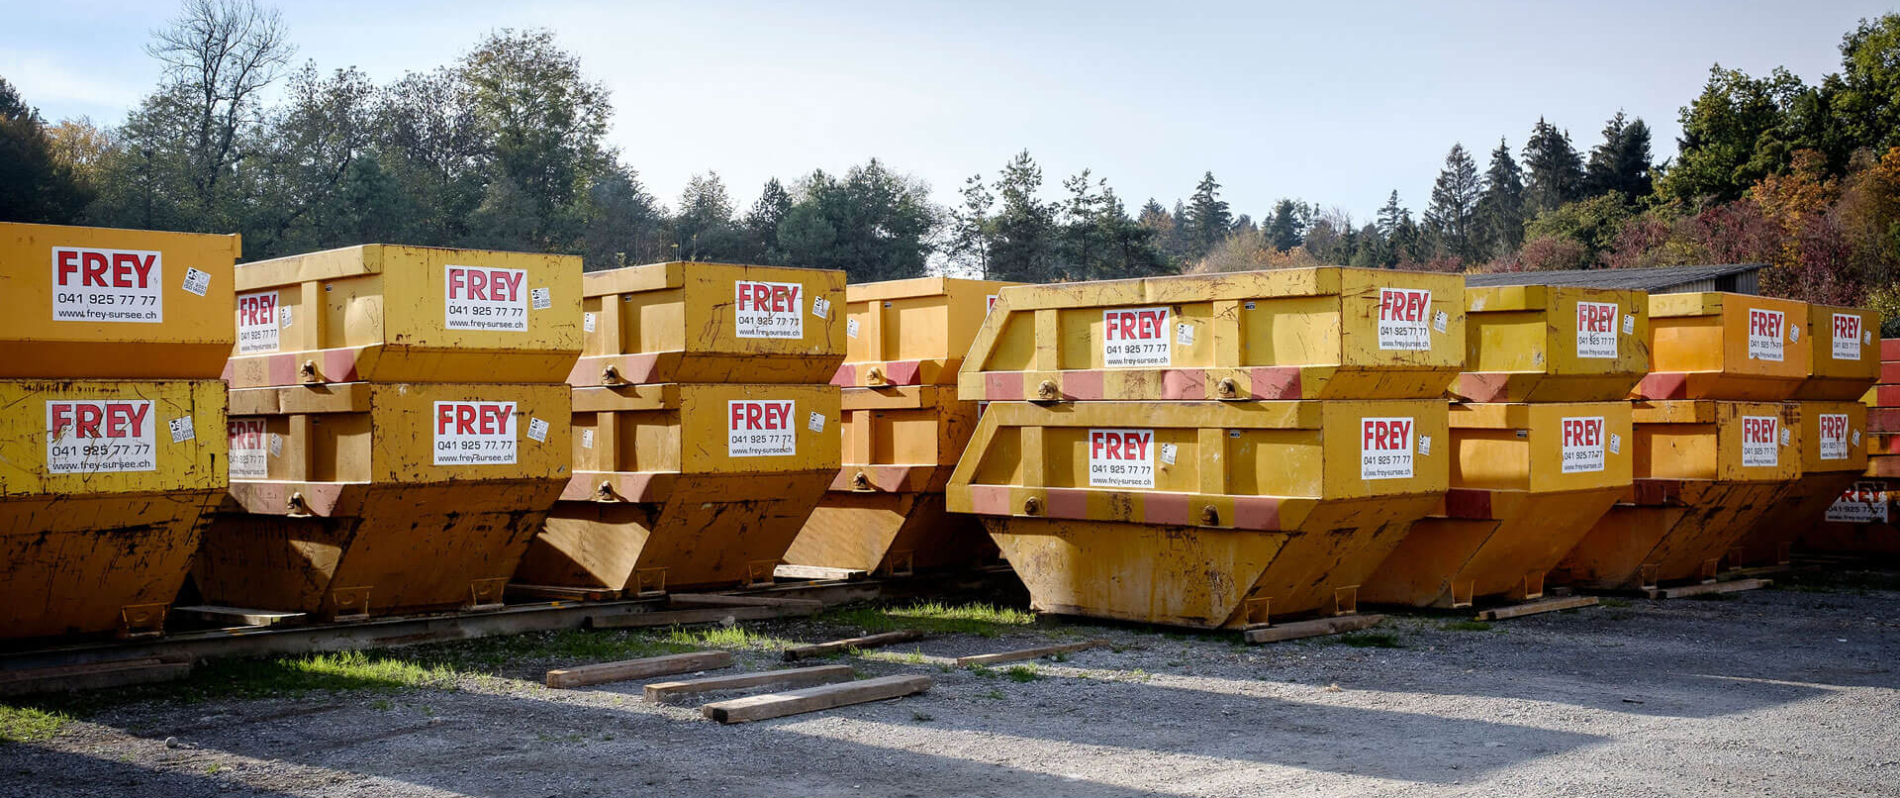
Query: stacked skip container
904	429
1540	443
111	459
1860	521
1210	451
398	429
704	428
1715	441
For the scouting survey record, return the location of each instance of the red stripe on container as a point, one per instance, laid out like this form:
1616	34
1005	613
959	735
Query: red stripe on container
1663	385
1256	512
1275	383
1188	385
1003	386
1068	503
1082	386
1164	508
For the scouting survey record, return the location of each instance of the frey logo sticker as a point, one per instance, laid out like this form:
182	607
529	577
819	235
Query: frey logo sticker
1596	330
1135	337
1765	328
95	437
1583	442
1846	336
768	310
760	428
1402	321
1121	458
1864	502
119	285
474	433
1385	448
1833	429
257	322
481	298
1759	436
248	446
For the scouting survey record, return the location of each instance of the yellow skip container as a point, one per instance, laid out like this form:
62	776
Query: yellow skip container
1539	343
1726	346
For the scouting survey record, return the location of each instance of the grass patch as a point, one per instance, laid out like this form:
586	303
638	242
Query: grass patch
1467	626
984	620
1023	673
1367	640
29	724
736	637
375	671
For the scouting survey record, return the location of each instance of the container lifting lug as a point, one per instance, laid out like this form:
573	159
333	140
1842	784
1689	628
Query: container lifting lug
308	372
874	377
1048	392
1032	506
296	507
605	492
860	481
1210	516
1228	389
610	375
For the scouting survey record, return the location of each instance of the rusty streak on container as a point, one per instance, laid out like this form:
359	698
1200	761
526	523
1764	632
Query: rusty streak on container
1537	343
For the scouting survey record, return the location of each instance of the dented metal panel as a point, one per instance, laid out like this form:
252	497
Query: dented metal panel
912	332
390	313
93	302
689	322
1726	346
1536	343
1318	333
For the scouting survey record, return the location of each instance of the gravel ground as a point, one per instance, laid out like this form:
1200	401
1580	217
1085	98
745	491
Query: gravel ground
1773	692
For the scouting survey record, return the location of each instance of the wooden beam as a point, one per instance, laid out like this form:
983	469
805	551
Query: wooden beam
637	669
711	615
814	699
795	677
868	641
1711	588
238	616
1323	626
1535	607
817	572
91	676
1027	653
716	600
560	592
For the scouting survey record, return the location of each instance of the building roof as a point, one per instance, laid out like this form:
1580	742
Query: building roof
1656	280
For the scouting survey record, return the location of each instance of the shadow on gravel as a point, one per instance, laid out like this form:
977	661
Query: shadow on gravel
27	769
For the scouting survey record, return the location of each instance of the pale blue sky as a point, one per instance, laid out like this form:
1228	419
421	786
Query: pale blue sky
1331	102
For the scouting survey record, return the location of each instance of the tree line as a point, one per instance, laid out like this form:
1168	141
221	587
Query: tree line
506	148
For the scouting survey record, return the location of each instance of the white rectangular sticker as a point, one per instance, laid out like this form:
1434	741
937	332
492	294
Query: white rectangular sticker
588	321
483	298
276	445
1765	328
248	444
1759	437
1385	448
258	322
1121	458
587	439
768	310
1833	429
1184	334
1135	337
474	433
1629	324
117	285
196	282
821	307
1583	443
816	423
760	428
1402	320
541	298
285	313
537	430
182	429
1168	453
95	437
1596	329
1846	336
1616	443
1864	502
851	327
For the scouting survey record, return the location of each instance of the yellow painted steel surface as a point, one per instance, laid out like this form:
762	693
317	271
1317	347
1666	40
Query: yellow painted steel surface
1845	348
1833	456
885	512
1726	346
912	332
1704	472
711	323
1537	343
687	485
1318	333
101	502
380	498
1527	481
92	302
389	313
1200	513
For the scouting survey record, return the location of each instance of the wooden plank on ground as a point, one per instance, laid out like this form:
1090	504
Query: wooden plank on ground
561	592
813	699
1028	653
1712	588
1314	628
1536	607
605	672
717	600
867	641
91	676
816	572
709	615
794	677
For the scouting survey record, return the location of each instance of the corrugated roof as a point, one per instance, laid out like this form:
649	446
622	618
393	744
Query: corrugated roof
1652	279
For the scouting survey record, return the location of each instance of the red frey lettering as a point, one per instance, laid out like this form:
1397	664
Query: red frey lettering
96	269
1595	316
259	310
1764	322
1759	430
1846	326
1383	435
101	419
1136	325
761	415
1120	445
1833	427
1400	304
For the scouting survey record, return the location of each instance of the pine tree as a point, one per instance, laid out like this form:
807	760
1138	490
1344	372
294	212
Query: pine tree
761	223
1501	210
1622	162
1453	211
1287	228
1391	214
1208	219
1022	246
1553	169
970	227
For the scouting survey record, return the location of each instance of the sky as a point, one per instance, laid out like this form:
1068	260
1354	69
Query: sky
1337	103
